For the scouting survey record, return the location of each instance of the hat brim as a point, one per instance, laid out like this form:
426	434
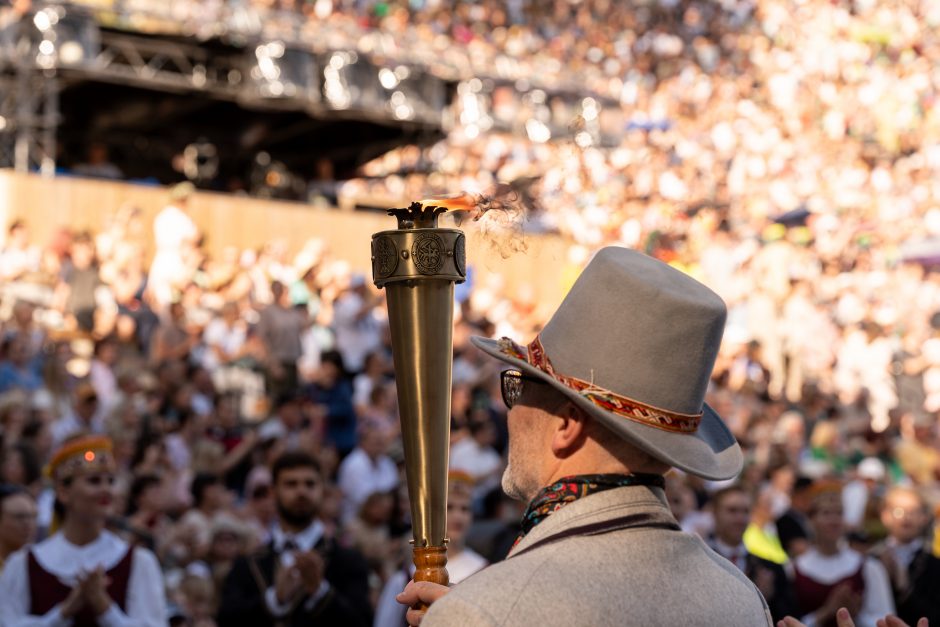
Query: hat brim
711	452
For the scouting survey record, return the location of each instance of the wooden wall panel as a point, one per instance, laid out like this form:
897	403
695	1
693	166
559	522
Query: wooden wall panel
49	204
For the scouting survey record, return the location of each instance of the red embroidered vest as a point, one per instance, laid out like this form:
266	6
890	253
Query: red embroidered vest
46	591
811	595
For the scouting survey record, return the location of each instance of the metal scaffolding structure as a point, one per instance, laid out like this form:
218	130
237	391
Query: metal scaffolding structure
59	46
70	74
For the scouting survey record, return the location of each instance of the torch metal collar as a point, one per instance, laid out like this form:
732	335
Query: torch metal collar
419	254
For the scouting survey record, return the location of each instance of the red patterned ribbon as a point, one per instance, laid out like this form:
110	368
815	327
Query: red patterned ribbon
603	398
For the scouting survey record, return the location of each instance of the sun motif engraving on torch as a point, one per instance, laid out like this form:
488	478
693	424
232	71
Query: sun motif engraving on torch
386	257
428	253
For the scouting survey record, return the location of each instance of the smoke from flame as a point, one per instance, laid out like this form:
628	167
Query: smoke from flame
500	212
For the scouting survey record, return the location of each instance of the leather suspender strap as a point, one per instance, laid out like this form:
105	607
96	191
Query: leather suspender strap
645	520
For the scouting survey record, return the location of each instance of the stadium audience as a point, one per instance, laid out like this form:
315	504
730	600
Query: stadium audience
784	155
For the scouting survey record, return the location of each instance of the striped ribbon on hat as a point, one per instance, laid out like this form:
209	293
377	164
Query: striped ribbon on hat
603	398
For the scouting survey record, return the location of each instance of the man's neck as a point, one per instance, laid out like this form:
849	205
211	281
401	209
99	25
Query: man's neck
292	529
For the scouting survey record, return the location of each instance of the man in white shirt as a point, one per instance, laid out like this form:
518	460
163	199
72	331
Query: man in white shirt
357	330
83	574
175	235
476	456
367	469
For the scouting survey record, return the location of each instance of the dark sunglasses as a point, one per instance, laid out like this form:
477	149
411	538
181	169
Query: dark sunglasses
511	386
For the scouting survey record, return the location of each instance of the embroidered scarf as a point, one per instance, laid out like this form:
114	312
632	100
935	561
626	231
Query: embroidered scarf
552	498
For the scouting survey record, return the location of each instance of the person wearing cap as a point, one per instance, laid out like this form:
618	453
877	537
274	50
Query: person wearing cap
602	403
82	574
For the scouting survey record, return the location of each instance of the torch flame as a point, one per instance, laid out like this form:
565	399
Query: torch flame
464	201
500	210
501	196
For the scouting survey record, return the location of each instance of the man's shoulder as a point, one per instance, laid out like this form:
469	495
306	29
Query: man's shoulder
357	460
614	574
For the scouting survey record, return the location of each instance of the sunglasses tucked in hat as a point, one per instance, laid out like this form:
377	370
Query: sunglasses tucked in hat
633	345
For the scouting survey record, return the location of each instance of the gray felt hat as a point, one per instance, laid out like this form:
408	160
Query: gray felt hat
633	344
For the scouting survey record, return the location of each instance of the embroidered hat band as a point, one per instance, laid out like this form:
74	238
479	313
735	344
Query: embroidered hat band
603	398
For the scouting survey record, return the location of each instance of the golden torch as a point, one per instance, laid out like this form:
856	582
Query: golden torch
418	265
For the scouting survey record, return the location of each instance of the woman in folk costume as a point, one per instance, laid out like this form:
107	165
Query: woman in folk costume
82	575
830	575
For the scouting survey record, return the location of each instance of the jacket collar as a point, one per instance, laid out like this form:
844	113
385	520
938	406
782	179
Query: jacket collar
598	508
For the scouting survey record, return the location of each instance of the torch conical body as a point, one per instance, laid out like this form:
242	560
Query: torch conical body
421	323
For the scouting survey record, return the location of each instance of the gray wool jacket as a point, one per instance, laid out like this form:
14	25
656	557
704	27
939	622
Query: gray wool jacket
612	558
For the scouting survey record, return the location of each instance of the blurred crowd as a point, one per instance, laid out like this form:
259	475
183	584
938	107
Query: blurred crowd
784	153
205	371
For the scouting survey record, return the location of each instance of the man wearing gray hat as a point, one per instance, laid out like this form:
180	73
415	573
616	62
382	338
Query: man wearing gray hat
603	402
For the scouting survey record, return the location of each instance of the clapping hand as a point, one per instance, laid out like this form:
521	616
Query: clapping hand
287	584
310	566
91	589
844	619
96	591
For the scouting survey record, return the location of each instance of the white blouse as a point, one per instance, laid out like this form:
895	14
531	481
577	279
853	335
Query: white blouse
146	602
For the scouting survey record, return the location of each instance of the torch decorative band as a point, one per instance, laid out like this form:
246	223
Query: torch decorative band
407	255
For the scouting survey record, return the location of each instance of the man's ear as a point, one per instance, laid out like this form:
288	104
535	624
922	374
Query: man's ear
570	433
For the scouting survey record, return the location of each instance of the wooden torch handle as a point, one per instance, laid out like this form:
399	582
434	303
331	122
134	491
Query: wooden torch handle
430	565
